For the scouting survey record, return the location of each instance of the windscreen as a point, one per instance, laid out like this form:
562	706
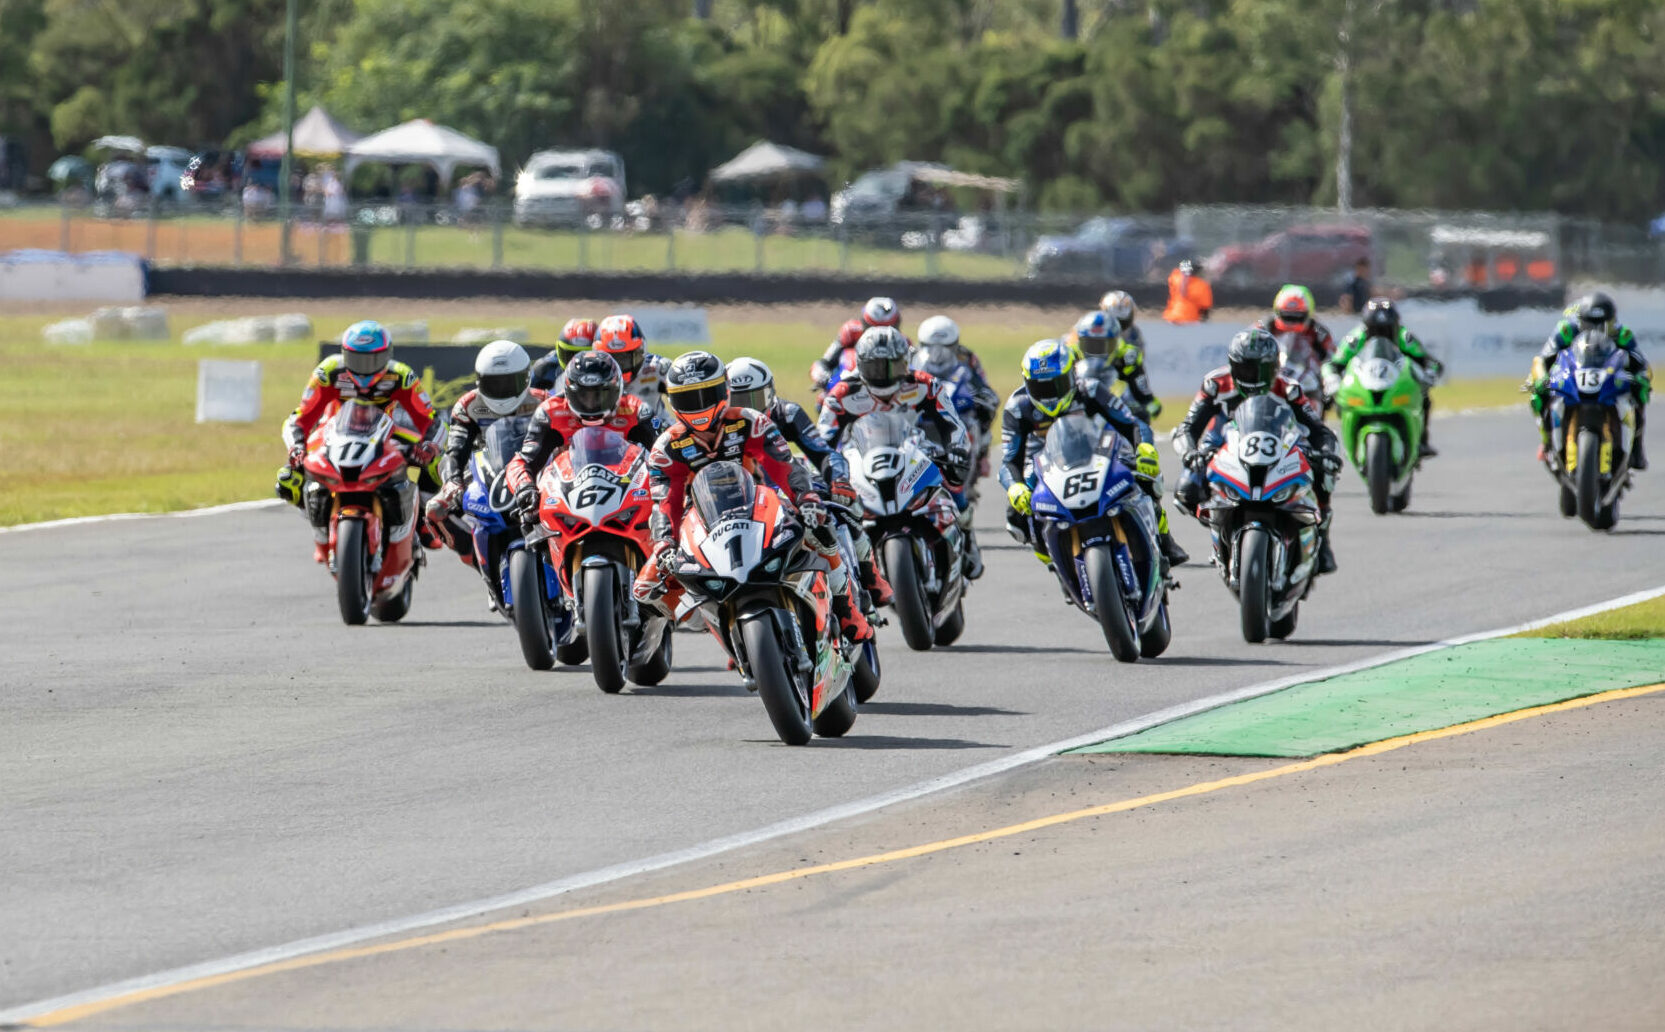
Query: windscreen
881	430
597	446
938	359
1592	350
722	488
359	418
1072	441
1379	347
560	170
1264	414
503	439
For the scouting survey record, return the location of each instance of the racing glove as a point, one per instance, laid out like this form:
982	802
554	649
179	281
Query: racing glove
1020	497
1153	408
444	503
1146	466
811	512
842	492
290	482
1196	459
424	452
297	456
526	500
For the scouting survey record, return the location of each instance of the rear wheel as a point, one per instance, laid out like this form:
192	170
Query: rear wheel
866	678
1589	476
776	682
657	666
533	625
1155	641
1113	618
1378	471
913	609
953	627
352	571
393	609
575	652
602	630
838	716
1569	502
1254	591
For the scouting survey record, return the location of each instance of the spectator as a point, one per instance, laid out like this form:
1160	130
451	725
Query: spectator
257	199
1358	290
468	197
1190	298
814	209
334	193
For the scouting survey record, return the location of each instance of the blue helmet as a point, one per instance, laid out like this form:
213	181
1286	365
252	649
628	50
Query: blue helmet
1049	376
1093	333
366	349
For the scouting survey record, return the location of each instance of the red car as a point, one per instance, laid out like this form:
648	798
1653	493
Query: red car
1319	254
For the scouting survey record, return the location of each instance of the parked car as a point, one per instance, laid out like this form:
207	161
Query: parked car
212	175
163	168
1315	254
1109	249
565	187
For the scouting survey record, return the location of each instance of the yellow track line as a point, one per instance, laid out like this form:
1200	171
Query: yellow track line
75	1013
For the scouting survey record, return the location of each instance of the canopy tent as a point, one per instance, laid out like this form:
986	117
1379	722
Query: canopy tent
421	142
937	175
127	144
317	134
764	161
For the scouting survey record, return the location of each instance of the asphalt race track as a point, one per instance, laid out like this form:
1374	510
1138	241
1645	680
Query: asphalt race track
199	759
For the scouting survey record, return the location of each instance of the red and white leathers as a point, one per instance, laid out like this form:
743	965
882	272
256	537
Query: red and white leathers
919	393
751	439
1315	333
1218	397
554	424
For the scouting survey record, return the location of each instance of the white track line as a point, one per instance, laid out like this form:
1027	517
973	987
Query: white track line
729	843
182	514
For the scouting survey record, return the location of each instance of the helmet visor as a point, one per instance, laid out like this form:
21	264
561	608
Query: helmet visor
1051	393
630	362
366	363
698	397
881	373
593	401
1097	346
503	386
1252	377
752	397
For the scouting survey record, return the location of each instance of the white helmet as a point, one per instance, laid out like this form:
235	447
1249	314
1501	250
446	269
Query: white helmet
751	384
938	329
502	376
1118	305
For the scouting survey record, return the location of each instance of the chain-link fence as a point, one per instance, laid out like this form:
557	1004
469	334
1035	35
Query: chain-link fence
1235	246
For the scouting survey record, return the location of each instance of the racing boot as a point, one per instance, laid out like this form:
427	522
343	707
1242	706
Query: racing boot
320	545
1171	552
1426	447
851	622
1638	457
972	561
878	588
1326	555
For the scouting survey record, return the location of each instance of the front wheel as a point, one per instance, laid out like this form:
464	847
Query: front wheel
838	716
1378	471
531	612
352	571
776	683
1254	591
1113	618
1589	477
602	630
867	673
913	608
393	610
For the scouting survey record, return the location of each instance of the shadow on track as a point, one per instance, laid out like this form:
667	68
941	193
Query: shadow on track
861	741
1215	661
1015	649
731	689
937	709
441	623
1437	514
1638	532
1342	643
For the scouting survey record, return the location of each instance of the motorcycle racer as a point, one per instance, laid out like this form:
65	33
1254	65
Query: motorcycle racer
885	382
592	394
1381	319
365	369
1052	389
577	336
1252	370
1118	305
1593	312
1104	357
707	428
751	385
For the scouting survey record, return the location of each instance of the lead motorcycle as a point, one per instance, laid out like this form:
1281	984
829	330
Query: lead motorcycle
1264	516
913	523
767	599
1099	528
359	469
594	509
1591	424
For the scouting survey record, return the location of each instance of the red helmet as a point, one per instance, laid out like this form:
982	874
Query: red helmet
881	311
850	332
620	337
576	336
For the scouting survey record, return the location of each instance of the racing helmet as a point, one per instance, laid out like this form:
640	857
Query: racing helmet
1118	305
751	385
576	336
881	311
882	360
620	337
1049	376
1292	309
851	332
1253	358
1093	333
592	385
366	349
1596	312
1381	318
939	329
502	376
697	389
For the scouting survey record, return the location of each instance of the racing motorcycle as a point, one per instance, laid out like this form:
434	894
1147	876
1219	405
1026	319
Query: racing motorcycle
1264	516
488	510
1299	361
767	599
593	526
1379	397
943	362
1100	530
913	523
1591	421
359	469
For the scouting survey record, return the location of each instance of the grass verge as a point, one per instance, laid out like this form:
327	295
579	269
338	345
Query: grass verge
1638	622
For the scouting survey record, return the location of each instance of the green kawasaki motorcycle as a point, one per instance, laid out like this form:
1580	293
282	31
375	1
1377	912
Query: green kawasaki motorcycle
1380	402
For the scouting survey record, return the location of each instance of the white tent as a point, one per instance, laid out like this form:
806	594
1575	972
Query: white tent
421	142
316	133
764	161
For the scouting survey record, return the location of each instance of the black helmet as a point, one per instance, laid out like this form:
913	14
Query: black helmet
593	386
882	360
697	388
1381	318
1596	312
1253	357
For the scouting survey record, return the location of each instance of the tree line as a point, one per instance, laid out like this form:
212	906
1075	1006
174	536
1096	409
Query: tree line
1494	104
